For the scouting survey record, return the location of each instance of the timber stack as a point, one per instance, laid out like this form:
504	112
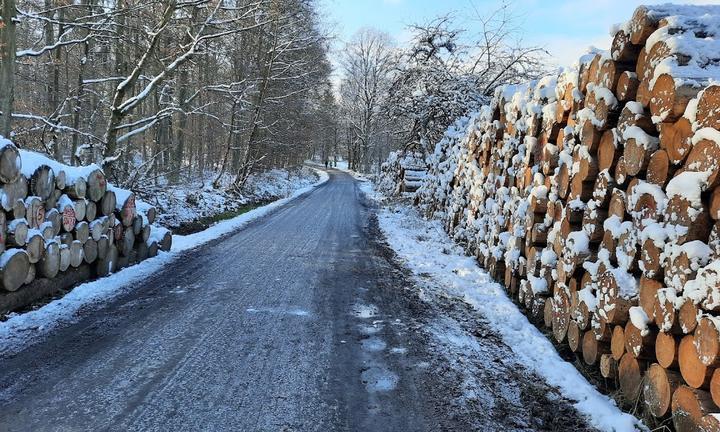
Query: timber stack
57	220
594	196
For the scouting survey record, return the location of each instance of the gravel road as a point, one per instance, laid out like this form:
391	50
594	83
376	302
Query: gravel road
301	321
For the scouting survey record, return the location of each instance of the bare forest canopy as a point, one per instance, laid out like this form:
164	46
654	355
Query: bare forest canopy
170	90
166	87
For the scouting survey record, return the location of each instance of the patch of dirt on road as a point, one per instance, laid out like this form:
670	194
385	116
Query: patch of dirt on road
472	379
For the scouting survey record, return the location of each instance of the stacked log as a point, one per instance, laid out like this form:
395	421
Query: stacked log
56	218
594	195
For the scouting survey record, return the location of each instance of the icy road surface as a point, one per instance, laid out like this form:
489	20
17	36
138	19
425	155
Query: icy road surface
301	321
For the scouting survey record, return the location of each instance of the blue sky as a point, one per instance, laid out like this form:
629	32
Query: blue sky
565	28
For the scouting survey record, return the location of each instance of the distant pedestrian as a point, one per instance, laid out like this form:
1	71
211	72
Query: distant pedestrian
326	163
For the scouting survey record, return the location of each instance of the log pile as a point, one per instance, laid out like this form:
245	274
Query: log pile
56	218
594	196
403	172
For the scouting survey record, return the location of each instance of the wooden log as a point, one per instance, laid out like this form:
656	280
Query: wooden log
49	265
103	245
707	341
96	185
67	209
30	275
608	366
42	182
76	188
17	233
152	248
127	210
707	114
705	156
14	267
651	257
608	153
35	212
627	87
60	179
647	295
680	212
715	386
108	203
669	99
82	232
620	173
658	387
125	246
574	336
658	171
80	206
90	211
666	350
64	257
47	230
694	372
548	312
710	422
617	343
18	211
146	232
630	377
638	343
622	49
10	163
689	406
76	254
592	349
109	264
35	246
642	24
676	139
638	148
90	251
687	316
14	192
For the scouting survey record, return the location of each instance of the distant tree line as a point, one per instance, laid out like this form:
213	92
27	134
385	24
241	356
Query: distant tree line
405	98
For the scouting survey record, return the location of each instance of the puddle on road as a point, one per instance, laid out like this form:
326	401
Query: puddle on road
398	350
378	379
373	344
365	311
369	330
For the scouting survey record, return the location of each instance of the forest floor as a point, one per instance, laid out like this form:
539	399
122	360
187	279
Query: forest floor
308	318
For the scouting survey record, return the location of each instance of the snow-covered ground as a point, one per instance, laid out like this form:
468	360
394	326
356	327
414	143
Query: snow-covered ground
425	248
187	203
21	329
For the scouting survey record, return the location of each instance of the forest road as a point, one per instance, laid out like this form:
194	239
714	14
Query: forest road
301	321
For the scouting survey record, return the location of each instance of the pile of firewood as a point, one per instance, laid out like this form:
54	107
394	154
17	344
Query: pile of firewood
56	218
593	194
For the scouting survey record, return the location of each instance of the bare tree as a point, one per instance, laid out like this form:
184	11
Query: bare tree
367	63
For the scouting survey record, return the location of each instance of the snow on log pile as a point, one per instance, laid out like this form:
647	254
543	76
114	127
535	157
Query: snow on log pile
403	172
594	194
60	225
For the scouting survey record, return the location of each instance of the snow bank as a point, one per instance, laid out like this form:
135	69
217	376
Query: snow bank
449	268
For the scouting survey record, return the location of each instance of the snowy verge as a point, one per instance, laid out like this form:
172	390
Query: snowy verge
426	249
21	329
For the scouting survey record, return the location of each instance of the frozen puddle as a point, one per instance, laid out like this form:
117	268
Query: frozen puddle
398	350
369	330
373	344
365	311
378	379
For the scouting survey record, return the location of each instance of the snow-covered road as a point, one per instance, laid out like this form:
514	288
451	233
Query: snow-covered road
300	321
